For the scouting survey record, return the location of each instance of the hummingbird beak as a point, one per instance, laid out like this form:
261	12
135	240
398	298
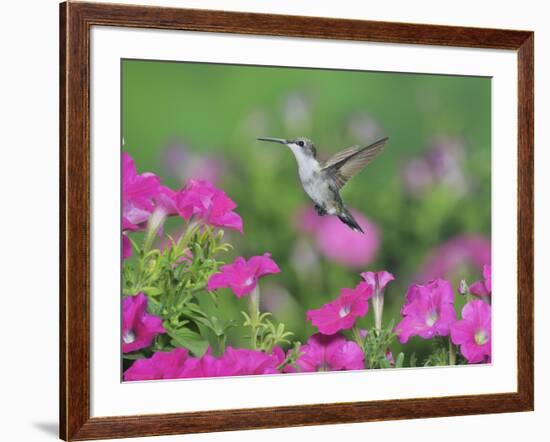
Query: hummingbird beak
273	140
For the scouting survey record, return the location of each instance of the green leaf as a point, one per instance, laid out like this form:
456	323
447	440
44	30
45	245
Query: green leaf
399	360
186	338
134	356
152	291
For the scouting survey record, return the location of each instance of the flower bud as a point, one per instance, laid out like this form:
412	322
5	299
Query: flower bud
463	288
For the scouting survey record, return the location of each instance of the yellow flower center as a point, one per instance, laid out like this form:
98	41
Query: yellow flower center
431	318
481	337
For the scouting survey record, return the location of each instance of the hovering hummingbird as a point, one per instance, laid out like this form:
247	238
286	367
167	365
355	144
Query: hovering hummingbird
322	181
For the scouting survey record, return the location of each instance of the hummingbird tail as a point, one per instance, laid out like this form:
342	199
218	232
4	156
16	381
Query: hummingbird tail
347	218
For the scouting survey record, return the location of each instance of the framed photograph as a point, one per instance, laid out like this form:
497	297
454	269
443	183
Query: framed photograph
271	221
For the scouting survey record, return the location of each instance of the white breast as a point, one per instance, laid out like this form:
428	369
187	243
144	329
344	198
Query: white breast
310	174
307	165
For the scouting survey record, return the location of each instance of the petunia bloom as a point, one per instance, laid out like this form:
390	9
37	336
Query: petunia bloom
441	165
482	289
177	364
428	312
242	276
250	362
201	199
473	332
341	313
182	162
138	327
378	282
463	251
337	242
126	247
328	353
165	201
138	192
162	365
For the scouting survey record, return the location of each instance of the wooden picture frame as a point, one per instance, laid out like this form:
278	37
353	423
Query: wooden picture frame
76	20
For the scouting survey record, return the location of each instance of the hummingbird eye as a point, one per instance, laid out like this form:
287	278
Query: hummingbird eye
300	143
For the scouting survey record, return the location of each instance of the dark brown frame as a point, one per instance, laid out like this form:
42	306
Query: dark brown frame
76	20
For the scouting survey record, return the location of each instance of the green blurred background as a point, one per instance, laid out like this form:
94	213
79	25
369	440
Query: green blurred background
428	193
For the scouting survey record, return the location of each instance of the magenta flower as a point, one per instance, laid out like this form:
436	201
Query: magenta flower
207	366
473	332
389	358
446	158
162	365
328	353
441	165
378	282
181	162
428	312
138	327
471	251
249	362
127	227
337	242
342	245
126	247
341	313
138	192
362	126
242	276
482	289
165	200
234	362
202	200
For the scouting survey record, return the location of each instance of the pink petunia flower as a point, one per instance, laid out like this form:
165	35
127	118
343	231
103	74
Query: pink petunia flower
378	282
126	247
482	289
177	364
165	200
473	332
138	192
441	165
337	242
249	362
242	276
127	227
428	312
182	162
472	251
389	358
234	362
207	366
162	365
138	327
341	313
203	200
328	353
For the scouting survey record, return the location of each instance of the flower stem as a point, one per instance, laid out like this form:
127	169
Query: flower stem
155	223
182	243
221	344
378	307
254	309
452	353
357	336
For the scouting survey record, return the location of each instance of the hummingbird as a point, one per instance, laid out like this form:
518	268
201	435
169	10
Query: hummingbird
322	181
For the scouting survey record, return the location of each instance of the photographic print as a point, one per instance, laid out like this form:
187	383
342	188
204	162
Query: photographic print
280	220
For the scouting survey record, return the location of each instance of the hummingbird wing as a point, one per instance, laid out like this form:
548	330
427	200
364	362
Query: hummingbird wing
343	165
